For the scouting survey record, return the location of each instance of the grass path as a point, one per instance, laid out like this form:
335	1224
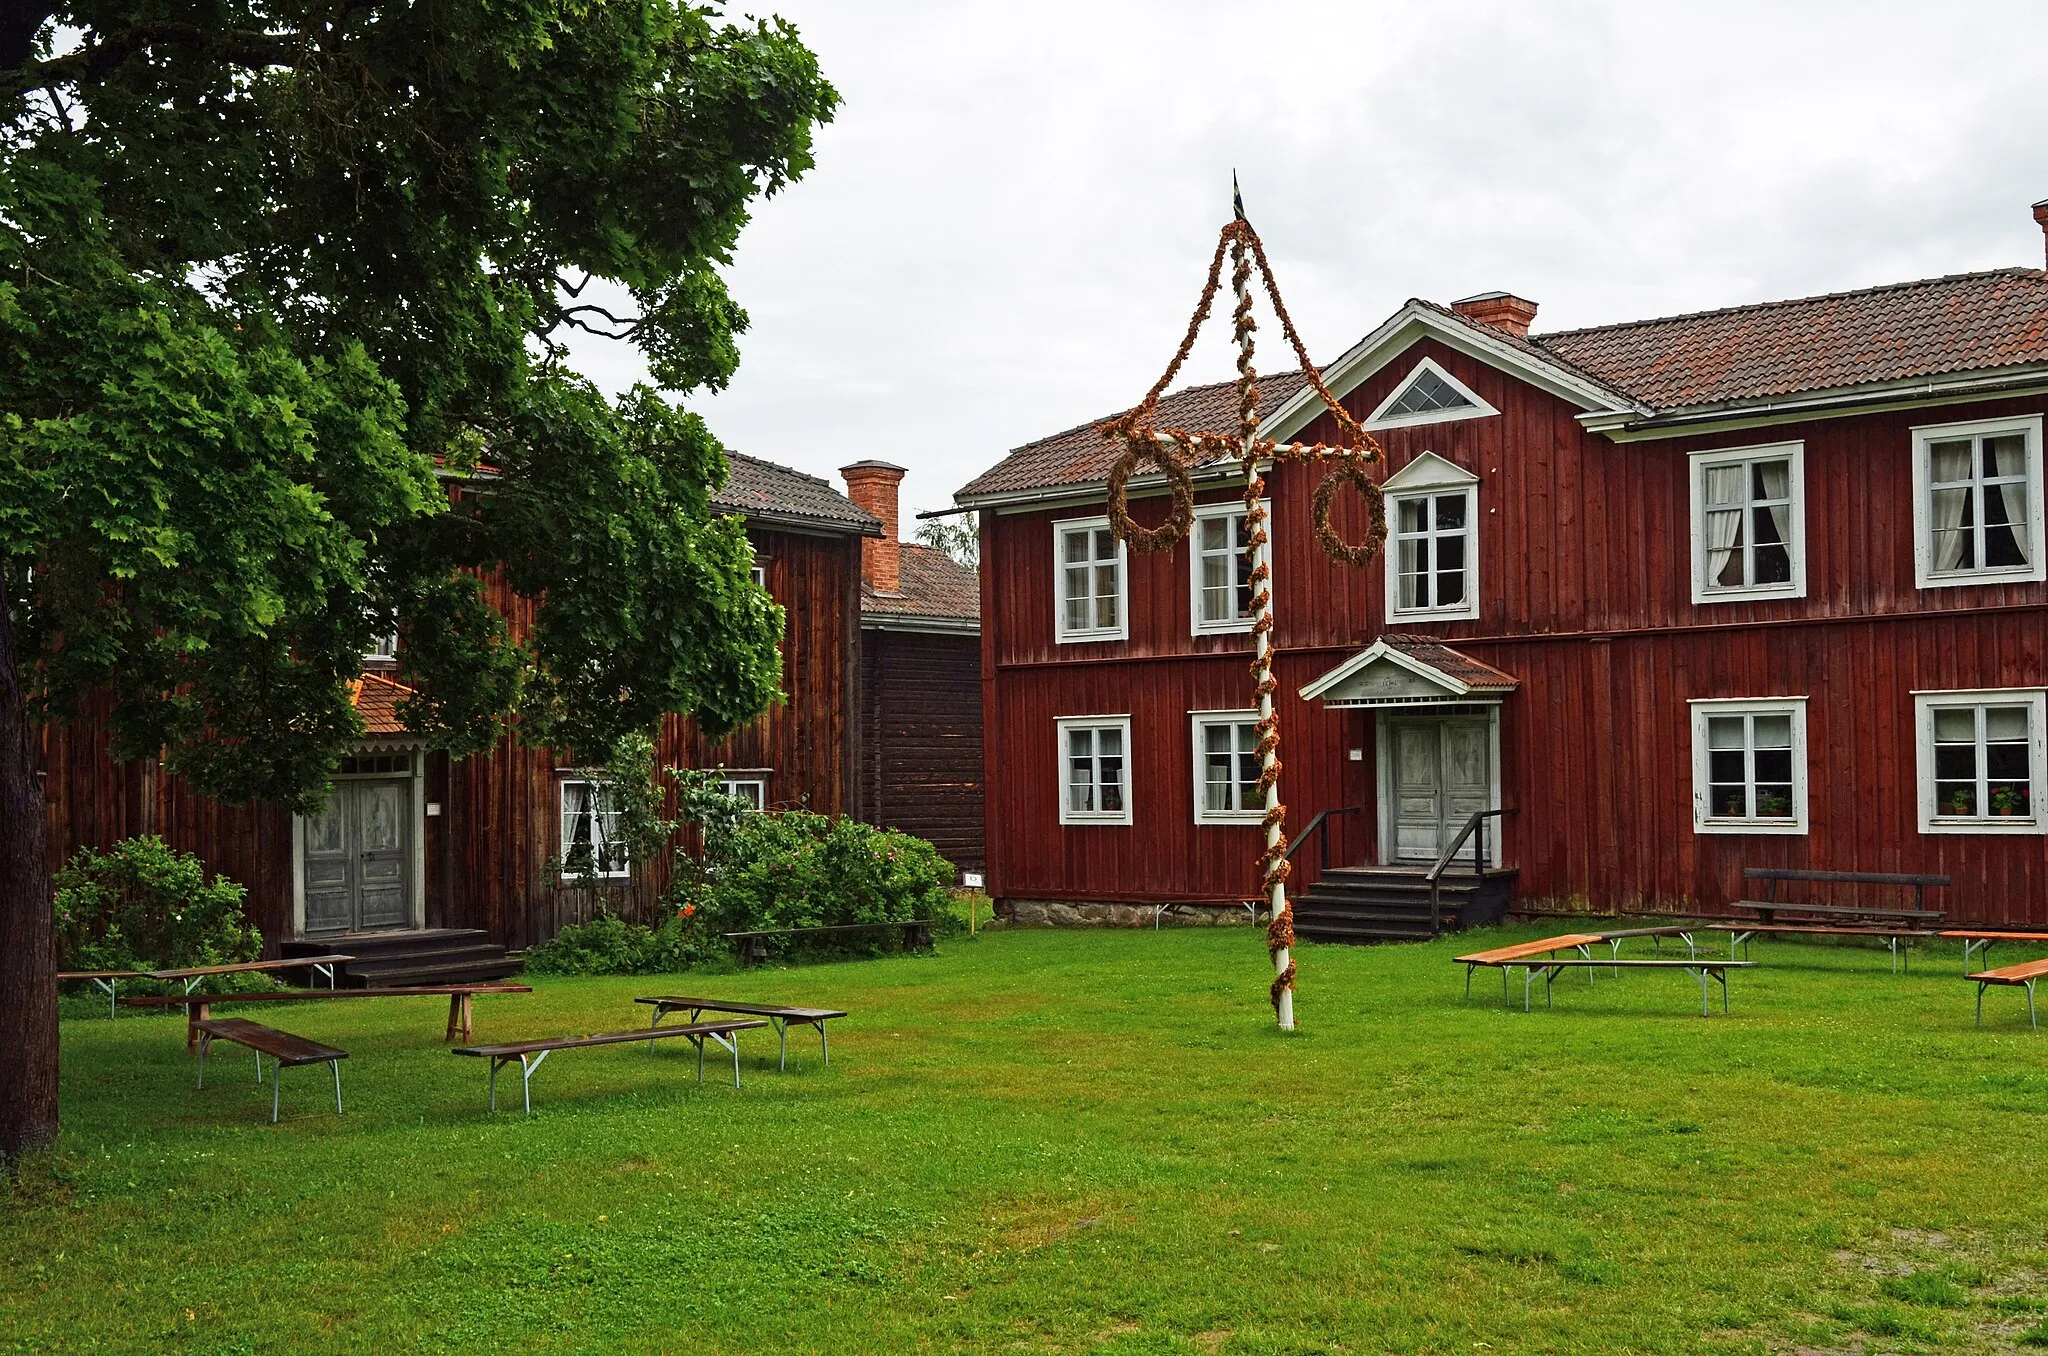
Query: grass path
1079	1142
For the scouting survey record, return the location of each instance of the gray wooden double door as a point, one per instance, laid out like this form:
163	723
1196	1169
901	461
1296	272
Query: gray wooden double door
358	858
1441	772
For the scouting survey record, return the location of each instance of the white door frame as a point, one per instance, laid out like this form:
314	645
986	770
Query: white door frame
1383	745
417	761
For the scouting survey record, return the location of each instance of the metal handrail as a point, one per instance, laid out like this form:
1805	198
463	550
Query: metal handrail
1476	822
1320	822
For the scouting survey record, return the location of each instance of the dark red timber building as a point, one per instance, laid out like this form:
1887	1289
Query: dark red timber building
429	867
1755	587
920	664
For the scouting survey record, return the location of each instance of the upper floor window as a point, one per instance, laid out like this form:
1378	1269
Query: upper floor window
1093	751
1749	523
1220	572
591	845
1749	766
1977	503
1429	395
1227	768
1432	551
1980	758
759	574
1090	581
383	647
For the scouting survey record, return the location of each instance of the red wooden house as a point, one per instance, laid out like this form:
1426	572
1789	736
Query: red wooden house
1755	587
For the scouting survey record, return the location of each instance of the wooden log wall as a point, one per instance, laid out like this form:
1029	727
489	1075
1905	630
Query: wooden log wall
921	759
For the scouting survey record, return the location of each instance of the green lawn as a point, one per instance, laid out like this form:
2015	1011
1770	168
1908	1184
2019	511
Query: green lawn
1068	1142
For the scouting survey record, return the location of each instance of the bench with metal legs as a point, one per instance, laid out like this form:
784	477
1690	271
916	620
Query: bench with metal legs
783	1017
531	1054
2024	975
1700	969
282	1047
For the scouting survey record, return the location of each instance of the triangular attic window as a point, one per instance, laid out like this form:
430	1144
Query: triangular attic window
1426	393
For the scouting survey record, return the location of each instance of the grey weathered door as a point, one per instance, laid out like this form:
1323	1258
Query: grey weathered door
1442	773
358	854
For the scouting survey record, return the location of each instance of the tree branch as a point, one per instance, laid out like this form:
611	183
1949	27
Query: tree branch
230	46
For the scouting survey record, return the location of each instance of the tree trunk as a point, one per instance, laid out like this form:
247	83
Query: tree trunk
28	946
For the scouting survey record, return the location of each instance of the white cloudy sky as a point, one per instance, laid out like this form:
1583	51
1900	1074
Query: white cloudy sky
1011	214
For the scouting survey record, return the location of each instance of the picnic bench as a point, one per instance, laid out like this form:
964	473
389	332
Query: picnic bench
1700	968
782	1017
107	982
1981	943
530	1054
325	965
2023	975
753	946
282	1047
199	1006
1524	954
1837	920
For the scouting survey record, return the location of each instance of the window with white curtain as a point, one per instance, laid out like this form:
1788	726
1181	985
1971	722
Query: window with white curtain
591	845
1220	588
1981	755
1749	523
1088	581
1226	747
1977	503
1095	763
751	787
1749	765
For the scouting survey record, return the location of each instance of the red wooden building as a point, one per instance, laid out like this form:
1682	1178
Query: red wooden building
452	861
1755	587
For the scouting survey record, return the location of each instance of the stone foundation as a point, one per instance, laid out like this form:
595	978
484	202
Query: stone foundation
1060	913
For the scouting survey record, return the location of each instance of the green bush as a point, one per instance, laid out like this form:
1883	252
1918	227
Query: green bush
796	869
612	946
142	906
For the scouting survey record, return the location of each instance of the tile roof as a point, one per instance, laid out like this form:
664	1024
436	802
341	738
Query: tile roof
376	699
764	490
1962	323
1451	663
934	585
1081	456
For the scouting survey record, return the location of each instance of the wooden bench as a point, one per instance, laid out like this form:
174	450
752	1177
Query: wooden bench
1506	958
107	982
531	1053
282	1047
1700	968
461	1000
1895	939
753	946
191	976
2024	975
1840	919
783	1018
1981	943
1683	931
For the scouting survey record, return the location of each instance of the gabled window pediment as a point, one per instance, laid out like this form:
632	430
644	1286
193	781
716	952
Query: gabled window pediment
1429	395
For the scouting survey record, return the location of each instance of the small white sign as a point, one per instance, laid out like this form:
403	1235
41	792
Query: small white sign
971	879
433	809
1357	755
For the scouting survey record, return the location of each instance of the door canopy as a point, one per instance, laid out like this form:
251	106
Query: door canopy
1401	670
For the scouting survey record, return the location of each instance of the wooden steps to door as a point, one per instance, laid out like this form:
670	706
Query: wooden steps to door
1391	904
423	956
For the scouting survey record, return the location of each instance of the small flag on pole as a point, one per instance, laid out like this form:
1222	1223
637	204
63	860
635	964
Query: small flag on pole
1236	196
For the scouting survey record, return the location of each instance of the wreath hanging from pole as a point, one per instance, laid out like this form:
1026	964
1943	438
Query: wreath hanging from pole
1177	451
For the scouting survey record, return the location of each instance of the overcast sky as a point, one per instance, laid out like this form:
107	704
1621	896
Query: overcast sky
1010	217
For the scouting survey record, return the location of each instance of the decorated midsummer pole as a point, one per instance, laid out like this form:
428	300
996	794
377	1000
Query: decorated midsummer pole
1174	452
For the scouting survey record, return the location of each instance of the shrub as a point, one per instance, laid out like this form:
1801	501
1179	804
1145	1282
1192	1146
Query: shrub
796	869
603	946
142	906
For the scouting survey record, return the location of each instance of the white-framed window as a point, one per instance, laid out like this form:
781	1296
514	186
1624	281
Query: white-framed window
1226	756
384	647
1095	772
1749	523
1089	582
1219	573
751	787
1432	541
590	830
1981	757
1977	503
1429	395
759	574
1749	765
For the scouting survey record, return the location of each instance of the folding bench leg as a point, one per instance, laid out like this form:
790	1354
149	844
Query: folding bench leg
2030	1007
1587	951
206	1041
335	1065
1980	1002
824	1042
276	1083
782	1035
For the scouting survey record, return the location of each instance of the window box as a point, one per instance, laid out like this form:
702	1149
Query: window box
1090	583
1977	503
1981	757
1095	770
1749	765
1749	523
1226	763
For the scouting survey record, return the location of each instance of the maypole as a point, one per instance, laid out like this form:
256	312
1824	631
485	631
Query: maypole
1174	452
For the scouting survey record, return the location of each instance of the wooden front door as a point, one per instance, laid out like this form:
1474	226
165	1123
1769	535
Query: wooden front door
1441	771
358	858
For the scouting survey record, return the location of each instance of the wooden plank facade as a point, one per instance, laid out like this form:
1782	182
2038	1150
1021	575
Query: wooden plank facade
1585	562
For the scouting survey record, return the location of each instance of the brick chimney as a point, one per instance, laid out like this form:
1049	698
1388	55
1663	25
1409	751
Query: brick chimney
1502	310
2041	214
873	485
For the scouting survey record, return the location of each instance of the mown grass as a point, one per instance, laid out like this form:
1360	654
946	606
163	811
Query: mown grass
1079	1142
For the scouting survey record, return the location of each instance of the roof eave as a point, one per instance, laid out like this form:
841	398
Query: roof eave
804	522
904	621
1223	469
1622	425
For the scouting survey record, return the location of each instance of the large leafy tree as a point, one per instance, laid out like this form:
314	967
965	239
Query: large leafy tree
278	275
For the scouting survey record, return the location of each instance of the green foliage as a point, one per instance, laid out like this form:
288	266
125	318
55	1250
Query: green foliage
958	537
1925	1287
266	276
2036	1336
607	945
142	906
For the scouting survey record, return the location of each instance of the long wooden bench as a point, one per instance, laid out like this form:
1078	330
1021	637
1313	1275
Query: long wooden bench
530	1054
282	1047
753	946
199	1006
783	1018
1896	927
192	975
1506	958
1981	942
2023	975
1700	968
107	982
1896	940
